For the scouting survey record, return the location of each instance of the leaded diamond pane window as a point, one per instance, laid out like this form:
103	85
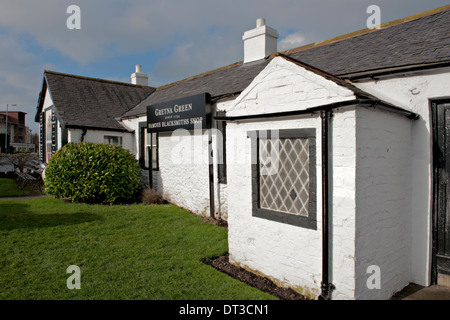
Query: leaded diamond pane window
287	190
284	180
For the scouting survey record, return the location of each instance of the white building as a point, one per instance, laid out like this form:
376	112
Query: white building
335	156
75	109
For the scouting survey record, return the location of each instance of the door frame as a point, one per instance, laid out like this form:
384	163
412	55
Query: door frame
434	103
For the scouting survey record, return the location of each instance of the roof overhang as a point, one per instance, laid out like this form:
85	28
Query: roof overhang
376	73
96	128
379	104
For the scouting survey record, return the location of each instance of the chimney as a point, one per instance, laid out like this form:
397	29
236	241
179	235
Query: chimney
259	42
138	77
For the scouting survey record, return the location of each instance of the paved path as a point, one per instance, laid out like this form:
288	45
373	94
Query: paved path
23	198
416	292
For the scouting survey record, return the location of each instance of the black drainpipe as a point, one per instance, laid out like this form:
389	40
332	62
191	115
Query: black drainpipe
83	133
326	286
211	176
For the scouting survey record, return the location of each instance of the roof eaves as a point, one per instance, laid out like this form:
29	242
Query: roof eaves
394	70
74	126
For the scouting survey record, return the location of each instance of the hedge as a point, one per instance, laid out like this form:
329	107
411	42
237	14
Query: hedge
92	173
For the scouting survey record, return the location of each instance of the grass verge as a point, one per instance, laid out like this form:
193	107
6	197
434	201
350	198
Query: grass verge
8	188
124	252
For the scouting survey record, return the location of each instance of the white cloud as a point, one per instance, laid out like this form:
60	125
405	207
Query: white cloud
291	41
195	57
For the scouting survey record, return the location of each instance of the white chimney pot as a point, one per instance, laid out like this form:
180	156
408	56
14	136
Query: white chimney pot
259	42
260	22
138	77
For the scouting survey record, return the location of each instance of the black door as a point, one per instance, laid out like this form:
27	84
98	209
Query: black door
441	217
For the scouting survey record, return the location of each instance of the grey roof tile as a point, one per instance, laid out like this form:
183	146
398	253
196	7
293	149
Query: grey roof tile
95	103
419	41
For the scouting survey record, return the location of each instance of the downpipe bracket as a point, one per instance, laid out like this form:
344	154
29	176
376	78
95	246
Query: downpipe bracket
326	289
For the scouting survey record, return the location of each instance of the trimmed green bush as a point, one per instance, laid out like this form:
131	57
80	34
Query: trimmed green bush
93	173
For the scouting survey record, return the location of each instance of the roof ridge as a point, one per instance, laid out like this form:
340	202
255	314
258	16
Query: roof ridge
97	79
365	31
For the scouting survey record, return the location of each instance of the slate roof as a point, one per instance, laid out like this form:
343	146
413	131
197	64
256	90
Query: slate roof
229	80
88	102
423	40
418	40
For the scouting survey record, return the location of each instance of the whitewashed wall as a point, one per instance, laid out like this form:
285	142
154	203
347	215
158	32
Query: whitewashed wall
183	166
132	125
413	92
292	255
383	202
97	136
343	202
288	254
284	86
183	175
371	193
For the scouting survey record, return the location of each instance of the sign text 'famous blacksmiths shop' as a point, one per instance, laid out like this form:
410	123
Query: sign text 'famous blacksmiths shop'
188	113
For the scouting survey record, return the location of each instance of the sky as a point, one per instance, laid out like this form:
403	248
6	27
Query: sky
171	39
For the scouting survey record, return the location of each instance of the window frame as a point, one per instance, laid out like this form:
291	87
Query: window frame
150	146
309	222
120	140
221	127
146	146
48	134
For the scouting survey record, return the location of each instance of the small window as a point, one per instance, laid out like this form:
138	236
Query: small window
152	146
284	176
222	154
114	140
48	135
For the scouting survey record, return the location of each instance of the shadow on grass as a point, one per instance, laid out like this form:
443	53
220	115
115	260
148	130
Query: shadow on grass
17	216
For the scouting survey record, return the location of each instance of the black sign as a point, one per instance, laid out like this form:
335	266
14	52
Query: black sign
186	113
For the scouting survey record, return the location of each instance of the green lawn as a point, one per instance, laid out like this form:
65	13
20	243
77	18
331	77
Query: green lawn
124	252
8	188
